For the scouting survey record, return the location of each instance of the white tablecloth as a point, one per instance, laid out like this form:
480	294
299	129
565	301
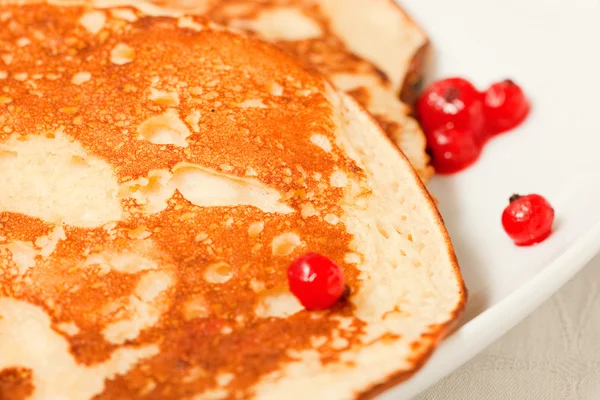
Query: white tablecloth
553	355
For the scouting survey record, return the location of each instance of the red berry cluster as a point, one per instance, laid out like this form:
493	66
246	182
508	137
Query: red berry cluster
458	119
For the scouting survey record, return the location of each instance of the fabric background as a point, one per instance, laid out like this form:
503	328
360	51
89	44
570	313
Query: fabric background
552	355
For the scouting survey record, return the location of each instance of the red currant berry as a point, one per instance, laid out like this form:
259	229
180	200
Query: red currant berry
452	149
505	106
528	219
316	281
452	101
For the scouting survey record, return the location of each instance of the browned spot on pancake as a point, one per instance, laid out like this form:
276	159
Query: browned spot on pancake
90	348
22	227
386	124
15	384
363	96
414	78
247	351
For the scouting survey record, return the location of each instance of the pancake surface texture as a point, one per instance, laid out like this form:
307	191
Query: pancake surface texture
157	177
368	48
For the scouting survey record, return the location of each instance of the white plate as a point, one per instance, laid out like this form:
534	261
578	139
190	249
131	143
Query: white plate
551	48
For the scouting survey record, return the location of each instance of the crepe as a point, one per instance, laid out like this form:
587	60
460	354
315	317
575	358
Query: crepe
370	49
158	176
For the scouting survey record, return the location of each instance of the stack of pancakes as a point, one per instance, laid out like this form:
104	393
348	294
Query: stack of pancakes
159	172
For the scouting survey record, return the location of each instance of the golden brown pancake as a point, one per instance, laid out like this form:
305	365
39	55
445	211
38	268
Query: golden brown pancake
369	48
158	176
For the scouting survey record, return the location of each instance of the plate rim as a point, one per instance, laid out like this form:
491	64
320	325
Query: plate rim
491	324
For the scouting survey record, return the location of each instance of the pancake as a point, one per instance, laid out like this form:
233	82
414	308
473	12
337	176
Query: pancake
369	48
158	176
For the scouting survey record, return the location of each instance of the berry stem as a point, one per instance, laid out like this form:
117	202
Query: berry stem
514	197
345	293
